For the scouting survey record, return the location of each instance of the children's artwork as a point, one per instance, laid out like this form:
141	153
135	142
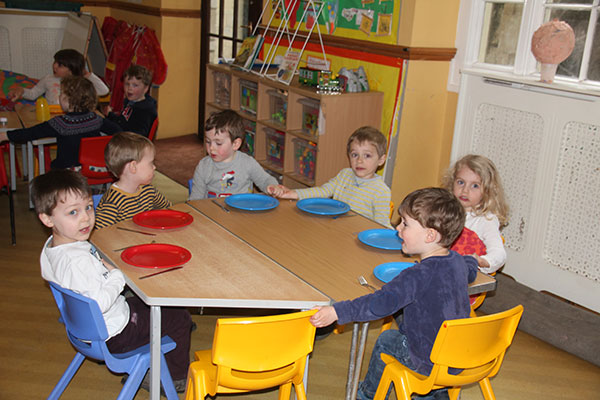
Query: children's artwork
384	25
248	51
11	80
288	66
366	24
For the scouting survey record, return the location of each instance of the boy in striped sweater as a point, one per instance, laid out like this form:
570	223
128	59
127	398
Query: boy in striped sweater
359	186
130	157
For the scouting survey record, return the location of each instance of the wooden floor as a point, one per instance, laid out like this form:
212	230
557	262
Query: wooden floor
35	351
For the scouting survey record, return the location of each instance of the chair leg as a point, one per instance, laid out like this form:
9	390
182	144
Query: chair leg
67	376
133	382
300	392
454	392
486	389
285	391
166	380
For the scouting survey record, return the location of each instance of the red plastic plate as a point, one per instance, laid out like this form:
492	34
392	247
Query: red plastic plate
163	219
156	255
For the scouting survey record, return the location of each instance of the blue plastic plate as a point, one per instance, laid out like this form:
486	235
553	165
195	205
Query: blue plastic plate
381	238
251	201
322	206
388	271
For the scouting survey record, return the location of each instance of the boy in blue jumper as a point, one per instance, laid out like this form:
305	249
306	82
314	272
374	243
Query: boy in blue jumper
429	293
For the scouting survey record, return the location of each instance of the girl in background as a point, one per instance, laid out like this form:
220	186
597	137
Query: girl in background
67	62
475	182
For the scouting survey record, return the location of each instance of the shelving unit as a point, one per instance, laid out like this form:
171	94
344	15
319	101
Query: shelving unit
338	116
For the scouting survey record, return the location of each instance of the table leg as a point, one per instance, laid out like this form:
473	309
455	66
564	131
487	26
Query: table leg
41	159
13	166
359	357
30	167
352	361
155	334
24	158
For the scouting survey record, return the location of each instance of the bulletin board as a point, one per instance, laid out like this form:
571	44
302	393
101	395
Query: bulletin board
372	20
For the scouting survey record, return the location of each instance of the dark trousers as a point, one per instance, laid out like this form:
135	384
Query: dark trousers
175	322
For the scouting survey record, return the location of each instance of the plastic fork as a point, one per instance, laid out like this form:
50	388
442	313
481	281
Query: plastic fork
363	282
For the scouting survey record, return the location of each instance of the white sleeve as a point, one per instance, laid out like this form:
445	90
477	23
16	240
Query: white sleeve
101	88
36	91
488	230
199	186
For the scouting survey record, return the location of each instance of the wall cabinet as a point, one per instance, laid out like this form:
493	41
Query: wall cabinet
294	133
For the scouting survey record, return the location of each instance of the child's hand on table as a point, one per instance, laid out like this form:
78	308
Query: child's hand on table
15	94
324	317
282	192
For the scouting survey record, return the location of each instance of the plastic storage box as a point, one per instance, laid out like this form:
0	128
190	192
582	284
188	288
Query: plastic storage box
275	141
278	100
222	83
305	158
250	132
310	116
248	96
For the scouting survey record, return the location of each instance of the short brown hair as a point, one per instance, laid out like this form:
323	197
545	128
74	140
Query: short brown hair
80	92
47	189
438	209
226	121
371	135
139	72
123	148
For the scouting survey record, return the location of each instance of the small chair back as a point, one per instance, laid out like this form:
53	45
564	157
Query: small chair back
153	129
475	345
83	320
91	158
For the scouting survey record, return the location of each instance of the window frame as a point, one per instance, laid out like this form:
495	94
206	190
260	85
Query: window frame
469	36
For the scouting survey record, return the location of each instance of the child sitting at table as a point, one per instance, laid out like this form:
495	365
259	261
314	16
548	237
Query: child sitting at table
429	293
475	182
359	186
225	170
67	62
63	202
129	157
78	99
139	108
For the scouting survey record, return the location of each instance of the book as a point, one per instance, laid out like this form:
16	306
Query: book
287	68
248	52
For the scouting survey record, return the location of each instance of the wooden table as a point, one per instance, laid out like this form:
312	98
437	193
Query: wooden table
321	250
223	272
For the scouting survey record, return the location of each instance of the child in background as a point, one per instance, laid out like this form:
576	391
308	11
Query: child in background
429	293
63	203
78	99
359	186
139	109
225	170
475	182
129	157
67	62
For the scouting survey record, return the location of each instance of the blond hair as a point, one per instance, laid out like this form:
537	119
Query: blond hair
123	148
492	192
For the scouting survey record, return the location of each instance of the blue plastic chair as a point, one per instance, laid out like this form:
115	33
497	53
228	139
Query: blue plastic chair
87	332
96	199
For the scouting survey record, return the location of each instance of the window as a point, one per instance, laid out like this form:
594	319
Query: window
500	31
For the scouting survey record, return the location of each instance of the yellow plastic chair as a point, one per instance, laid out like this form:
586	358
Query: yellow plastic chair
475	345
253	354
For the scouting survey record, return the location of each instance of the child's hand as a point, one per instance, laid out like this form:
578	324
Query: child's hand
108	265
15	94
324	317
481	261
282	192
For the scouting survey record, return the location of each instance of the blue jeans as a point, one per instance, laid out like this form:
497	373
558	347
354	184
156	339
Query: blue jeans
394	343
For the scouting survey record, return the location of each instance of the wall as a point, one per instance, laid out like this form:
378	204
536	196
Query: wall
177	27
